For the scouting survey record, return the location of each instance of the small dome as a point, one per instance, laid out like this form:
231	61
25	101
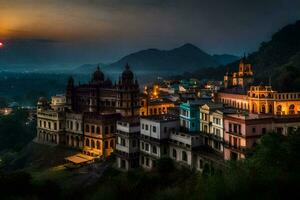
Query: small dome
42	101
127	73
98	75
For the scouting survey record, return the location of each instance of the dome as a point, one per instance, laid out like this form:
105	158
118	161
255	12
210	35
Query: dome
127	73
98	75
42	101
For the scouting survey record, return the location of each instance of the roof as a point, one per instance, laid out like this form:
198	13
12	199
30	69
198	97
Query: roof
162	118
79	158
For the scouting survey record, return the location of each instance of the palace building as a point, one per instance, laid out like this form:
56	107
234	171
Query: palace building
85	117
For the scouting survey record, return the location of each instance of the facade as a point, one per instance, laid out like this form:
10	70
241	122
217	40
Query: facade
127	146
190	116
50	126
242	131
262	100
211	128
155	132
157	106
99	134
74	130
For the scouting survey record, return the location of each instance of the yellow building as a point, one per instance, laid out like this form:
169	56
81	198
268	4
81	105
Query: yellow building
155	106
99	130
263	100
241	78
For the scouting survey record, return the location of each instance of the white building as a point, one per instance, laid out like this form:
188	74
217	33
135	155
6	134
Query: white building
155	133
127	146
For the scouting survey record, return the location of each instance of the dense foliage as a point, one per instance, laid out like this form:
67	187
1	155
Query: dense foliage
272	171
16	130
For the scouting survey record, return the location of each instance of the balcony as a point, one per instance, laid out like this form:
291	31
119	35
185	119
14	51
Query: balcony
239	149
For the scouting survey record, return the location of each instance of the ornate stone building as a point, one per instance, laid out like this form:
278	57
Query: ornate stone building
85	117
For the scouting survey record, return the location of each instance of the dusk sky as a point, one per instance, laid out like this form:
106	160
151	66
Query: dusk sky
105	30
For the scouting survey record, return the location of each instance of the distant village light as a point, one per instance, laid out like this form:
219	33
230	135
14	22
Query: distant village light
1	44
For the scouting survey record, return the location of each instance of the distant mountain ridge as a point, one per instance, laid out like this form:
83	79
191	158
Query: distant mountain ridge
184	58
187	57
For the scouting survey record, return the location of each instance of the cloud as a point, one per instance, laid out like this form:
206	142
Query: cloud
117	27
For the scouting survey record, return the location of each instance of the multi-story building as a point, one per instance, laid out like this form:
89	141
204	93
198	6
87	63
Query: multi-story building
99	133
85	118
190	116
242	131
74	130
155	133
50	124
156	106
127	146
211	125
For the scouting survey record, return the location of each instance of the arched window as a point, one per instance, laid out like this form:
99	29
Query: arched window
184	156
174	153
87	128
98	145
254	108
263	109
279	109
270	108
292	109
87	142
93	144
111	144
98	130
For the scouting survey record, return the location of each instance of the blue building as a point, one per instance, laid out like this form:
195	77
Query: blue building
190	115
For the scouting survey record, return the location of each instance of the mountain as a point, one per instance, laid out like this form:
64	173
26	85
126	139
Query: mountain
184	58
225	59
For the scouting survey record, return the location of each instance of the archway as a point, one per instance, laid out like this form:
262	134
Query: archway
263	109
292	109
270	109
279	109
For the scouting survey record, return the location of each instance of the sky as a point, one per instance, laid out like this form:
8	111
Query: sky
88	31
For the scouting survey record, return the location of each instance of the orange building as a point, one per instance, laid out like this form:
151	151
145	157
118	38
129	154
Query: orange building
155	106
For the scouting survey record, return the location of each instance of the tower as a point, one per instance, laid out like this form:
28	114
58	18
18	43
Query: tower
70	93
127	103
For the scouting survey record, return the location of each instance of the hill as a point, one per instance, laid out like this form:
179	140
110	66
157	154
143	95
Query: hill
184	58
225	59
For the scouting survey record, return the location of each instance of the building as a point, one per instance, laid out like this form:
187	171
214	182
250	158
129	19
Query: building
74	130
242	131
242	78
50	124
190	116
85	118
127	146
211	125
157	106
262	100
99	134
155	132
